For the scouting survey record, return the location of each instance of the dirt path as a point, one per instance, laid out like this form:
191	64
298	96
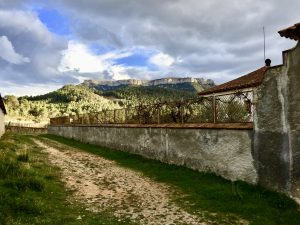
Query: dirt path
101	184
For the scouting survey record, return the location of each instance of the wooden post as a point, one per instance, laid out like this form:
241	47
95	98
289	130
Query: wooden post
215	109
181	112
158	116
114	116
125	115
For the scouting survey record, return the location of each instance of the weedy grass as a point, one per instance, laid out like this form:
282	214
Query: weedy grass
23	157
31	191
206	192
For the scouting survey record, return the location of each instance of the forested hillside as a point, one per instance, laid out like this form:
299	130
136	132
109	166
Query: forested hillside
135	95
70	99
79	99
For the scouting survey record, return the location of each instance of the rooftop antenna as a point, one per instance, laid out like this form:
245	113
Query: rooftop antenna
264	32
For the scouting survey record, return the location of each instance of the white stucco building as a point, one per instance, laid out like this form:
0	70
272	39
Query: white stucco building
2	114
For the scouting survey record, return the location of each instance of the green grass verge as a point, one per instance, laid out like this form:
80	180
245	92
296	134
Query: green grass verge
31	191
203	191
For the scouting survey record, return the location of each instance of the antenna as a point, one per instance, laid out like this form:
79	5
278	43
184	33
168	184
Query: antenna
264	32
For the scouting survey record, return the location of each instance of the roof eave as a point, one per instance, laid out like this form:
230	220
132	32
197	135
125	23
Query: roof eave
228	91
292	32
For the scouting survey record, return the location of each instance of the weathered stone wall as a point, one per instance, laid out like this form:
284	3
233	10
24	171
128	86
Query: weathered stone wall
26	130
2	126
222	151
293	116
277	126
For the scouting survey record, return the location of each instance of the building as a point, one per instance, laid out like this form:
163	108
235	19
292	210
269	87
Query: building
2	114
244	83
276	117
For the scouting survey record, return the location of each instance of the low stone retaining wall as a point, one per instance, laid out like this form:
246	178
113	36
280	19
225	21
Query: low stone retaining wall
225	152
26	130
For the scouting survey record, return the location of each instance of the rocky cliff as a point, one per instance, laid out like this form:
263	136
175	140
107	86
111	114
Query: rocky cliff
197	83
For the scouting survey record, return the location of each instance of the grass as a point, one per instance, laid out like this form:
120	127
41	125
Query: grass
206	192
32	193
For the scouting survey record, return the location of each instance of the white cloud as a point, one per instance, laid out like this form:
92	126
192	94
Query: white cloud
86	64
26	37
203	30
81	59
8	53
119	73
19	22
189	38
162	60
21	90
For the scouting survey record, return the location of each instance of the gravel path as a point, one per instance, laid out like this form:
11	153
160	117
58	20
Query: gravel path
101	184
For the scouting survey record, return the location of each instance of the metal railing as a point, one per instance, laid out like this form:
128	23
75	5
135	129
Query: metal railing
230	108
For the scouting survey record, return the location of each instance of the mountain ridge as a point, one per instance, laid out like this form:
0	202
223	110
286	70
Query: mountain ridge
168	82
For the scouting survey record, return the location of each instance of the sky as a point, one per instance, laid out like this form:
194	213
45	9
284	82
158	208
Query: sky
46	44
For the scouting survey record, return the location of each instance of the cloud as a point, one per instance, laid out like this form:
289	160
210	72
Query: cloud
8	52
21	89
162	60
209	38
12	3
32	40
93	32
221	34
79	58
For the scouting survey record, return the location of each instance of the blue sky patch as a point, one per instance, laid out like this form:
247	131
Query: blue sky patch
55	21
137	60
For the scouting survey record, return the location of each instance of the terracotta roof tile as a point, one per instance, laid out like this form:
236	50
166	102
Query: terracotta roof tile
2	105
292	32
252	79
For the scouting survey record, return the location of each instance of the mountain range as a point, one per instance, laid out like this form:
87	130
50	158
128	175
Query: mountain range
187	84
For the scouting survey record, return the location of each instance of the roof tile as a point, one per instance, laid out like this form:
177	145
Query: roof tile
292	32
252	79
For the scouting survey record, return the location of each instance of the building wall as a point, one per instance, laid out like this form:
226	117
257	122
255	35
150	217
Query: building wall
221	151
293	117
2	125
277	126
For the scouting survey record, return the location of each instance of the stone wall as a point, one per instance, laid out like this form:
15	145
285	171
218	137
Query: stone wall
222	151
277	126
26	130
2	125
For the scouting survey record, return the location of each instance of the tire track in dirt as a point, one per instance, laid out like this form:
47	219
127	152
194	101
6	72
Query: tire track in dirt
101	184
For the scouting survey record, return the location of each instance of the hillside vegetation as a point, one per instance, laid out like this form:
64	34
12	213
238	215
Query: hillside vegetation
31	190
70	99
80	99
190	87
135	95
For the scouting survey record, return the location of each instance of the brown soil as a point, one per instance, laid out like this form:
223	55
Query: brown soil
103	185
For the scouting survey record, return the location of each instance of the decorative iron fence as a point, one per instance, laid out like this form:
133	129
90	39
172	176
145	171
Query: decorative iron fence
230	108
